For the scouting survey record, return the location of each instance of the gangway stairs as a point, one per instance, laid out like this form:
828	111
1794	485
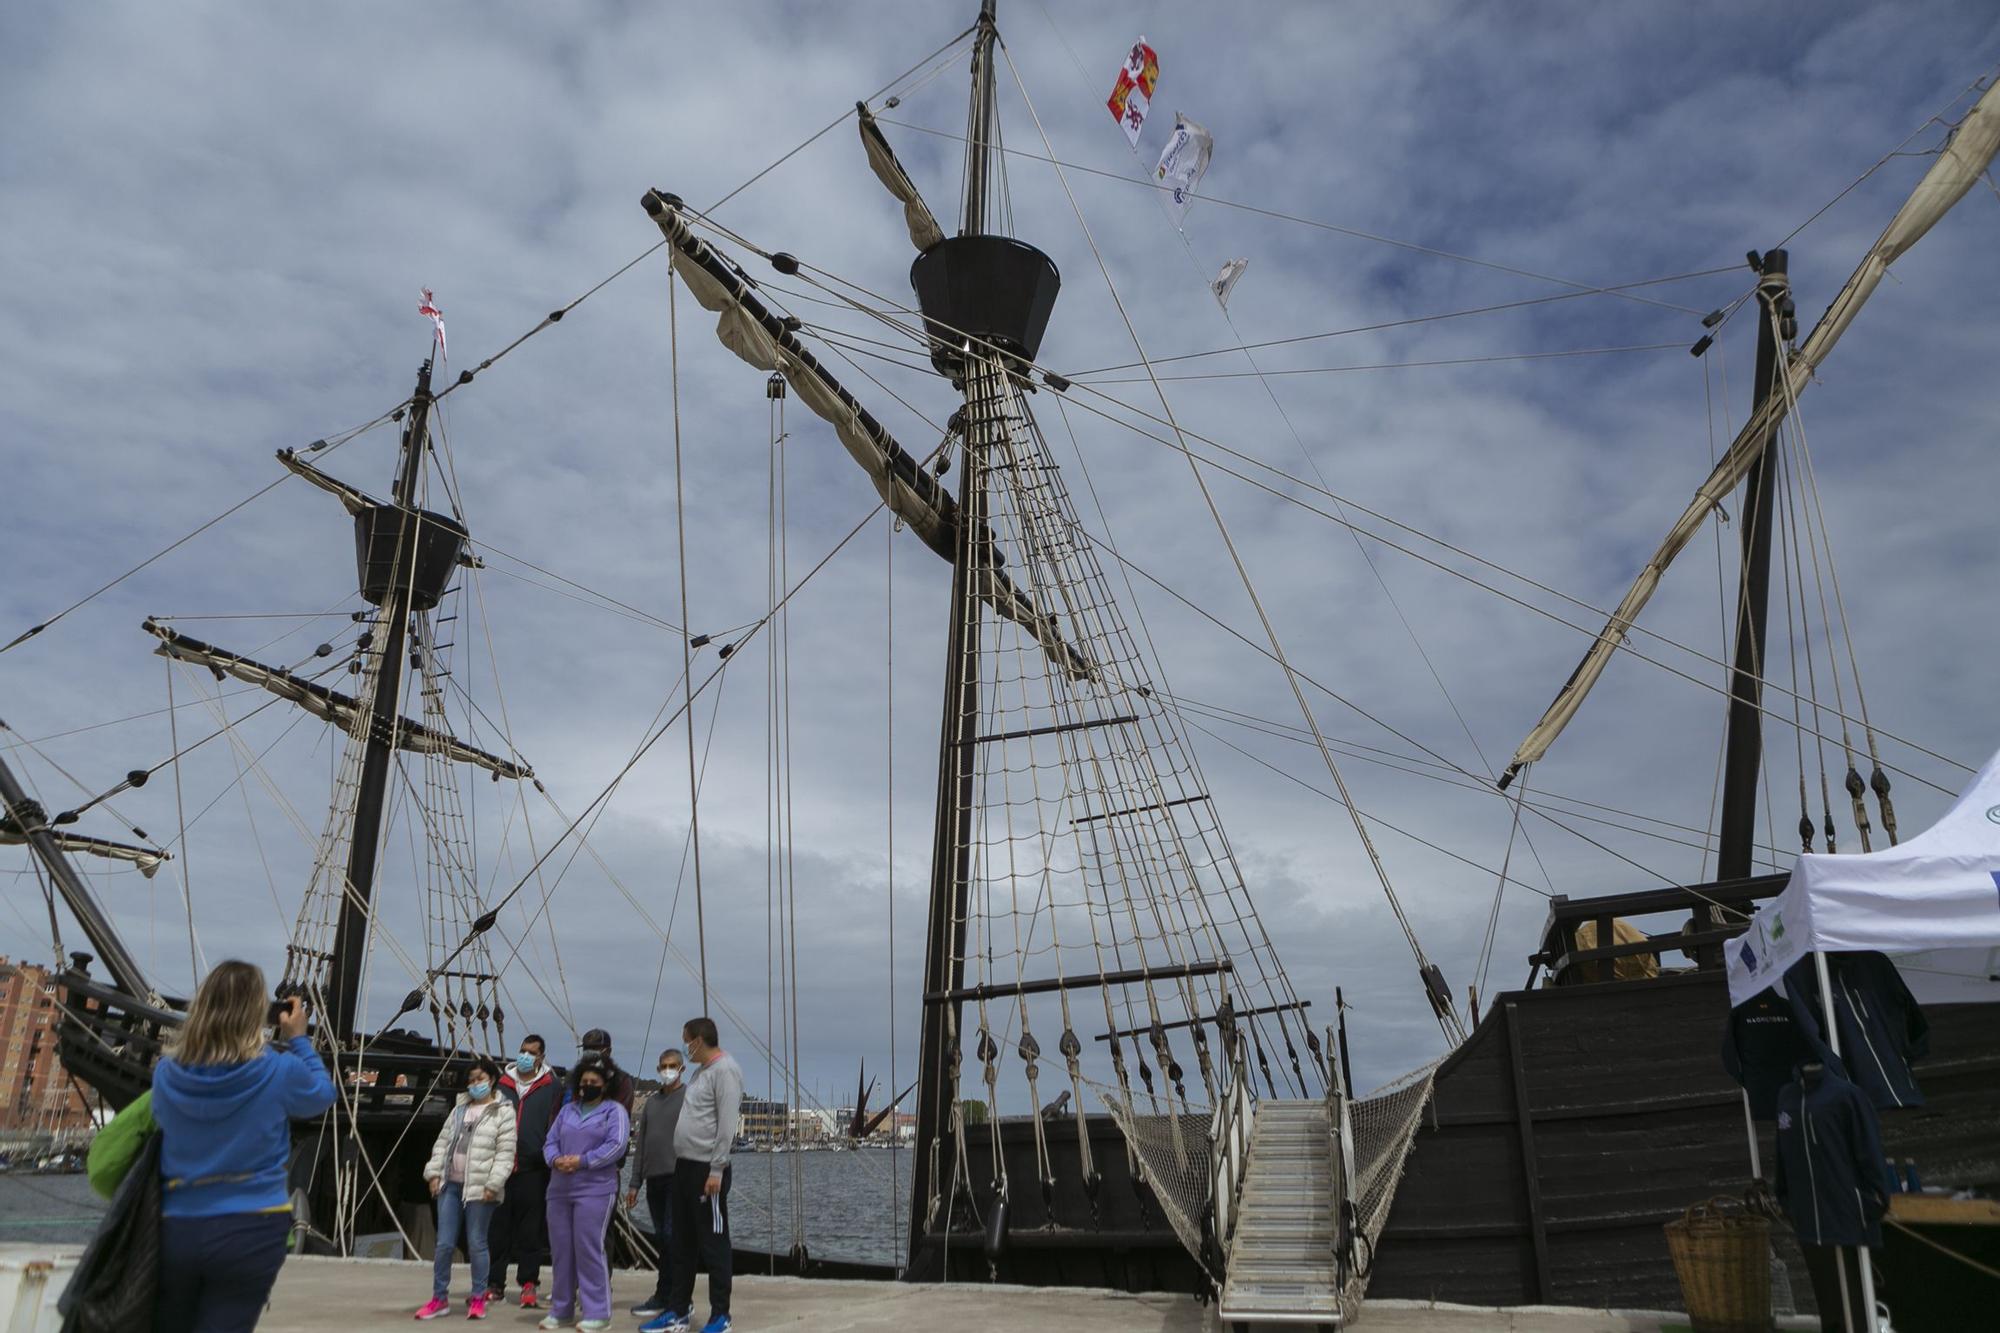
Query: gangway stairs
1283	1247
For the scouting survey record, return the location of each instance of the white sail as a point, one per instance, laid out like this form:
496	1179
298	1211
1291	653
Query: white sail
1965	157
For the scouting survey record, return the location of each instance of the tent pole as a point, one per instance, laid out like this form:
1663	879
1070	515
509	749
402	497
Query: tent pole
1833	1040
1750	1128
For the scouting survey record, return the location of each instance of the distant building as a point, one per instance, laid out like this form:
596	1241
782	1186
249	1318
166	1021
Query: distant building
763	1122
36	1095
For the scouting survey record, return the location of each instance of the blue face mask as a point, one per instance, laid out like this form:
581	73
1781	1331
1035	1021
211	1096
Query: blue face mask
525	1063
477	1090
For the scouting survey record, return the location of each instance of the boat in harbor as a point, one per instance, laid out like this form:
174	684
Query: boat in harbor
1118	1084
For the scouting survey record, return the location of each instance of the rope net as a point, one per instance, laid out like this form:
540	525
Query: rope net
1173	1153
1385	1125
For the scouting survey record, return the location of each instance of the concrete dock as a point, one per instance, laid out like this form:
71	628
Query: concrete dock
321	1295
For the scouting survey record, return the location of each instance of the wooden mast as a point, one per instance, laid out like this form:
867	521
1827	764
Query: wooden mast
1743	755
350	941
951	852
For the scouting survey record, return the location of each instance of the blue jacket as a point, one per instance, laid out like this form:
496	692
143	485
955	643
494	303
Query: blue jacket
1882	1027
1831	1178
226	1129
1763	1046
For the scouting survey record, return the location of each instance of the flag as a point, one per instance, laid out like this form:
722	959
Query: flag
1133	92
1182	163
1225	281
429	307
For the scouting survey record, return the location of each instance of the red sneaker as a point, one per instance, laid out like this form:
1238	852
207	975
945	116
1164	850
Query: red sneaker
528	1301
433	1308
476	1308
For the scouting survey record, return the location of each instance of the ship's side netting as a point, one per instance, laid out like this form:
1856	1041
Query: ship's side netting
1172	1151
1170	1148
1385	1125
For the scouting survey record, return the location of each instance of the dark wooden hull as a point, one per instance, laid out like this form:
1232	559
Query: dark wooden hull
1578	1119
1061	1236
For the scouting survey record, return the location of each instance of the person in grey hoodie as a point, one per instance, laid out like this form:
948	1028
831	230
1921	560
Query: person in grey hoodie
710	1109
653	1169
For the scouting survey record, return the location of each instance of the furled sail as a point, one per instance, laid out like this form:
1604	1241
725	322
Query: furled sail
1964	158
747	328
321	702
354	499
147	859
917	216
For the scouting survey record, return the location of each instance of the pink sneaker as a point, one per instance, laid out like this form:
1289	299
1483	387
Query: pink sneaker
436	1306
476	1308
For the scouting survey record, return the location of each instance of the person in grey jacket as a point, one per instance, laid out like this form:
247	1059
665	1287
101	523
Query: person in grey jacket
710	1109
653	1168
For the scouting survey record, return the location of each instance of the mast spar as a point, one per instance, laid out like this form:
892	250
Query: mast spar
28	817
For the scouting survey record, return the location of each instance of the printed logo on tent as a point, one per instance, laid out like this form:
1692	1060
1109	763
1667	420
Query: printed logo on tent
1749	955
1777	925
1993	813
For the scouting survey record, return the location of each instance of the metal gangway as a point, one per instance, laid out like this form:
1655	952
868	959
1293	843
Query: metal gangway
1283	1212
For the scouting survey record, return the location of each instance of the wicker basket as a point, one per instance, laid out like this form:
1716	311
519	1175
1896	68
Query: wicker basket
1721	1253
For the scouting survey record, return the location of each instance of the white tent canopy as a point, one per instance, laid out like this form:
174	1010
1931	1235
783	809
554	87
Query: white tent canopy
1932	902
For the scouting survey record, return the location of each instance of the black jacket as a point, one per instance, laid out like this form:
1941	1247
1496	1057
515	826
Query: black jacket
1882	1028
534	1111
1831	1178
1762	1047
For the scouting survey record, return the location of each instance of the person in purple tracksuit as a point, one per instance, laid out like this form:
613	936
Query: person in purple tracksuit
585	1144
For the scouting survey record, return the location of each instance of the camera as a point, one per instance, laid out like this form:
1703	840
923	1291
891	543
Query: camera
276	1013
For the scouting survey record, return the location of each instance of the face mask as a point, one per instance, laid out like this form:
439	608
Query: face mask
669	1075
589	1092
477	1090
525	1063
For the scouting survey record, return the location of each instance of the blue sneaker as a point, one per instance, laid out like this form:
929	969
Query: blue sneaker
719	1324
666	1322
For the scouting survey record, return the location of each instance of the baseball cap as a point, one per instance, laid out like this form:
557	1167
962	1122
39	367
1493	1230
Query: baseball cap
597	1039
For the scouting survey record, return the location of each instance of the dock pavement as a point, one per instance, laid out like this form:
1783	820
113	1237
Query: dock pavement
321	1295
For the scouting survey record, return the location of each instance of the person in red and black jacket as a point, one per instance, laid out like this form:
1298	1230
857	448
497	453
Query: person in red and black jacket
519	1233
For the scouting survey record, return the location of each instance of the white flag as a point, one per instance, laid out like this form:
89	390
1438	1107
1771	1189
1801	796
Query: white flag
1225	281
1182	163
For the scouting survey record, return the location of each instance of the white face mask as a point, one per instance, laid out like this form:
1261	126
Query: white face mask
669	1075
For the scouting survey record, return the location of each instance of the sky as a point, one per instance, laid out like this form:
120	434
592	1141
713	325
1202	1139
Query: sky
216	221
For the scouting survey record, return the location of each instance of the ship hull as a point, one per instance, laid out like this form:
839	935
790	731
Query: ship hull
1578	1119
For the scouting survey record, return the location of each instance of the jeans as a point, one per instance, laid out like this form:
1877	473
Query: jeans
520	1229
216	1272
453	1215
696	1239
659	1202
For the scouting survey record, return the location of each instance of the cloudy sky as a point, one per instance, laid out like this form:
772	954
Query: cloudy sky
216	219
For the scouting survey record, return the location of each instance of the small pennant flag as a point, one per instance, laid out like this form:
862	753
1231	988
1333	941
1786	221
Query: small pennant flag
1133	93
1225	281
1182	163
429	308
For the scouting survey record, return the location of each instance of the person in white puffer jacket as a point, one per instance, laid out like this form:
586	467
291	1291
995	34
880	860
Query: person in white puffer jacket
468	1170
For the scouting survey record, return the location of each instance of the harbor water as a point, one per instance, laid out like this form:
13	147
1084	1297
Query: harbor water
855	1204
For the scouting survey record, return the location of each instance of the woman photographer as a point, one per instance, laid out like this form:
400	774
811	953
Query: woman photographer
224	1098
